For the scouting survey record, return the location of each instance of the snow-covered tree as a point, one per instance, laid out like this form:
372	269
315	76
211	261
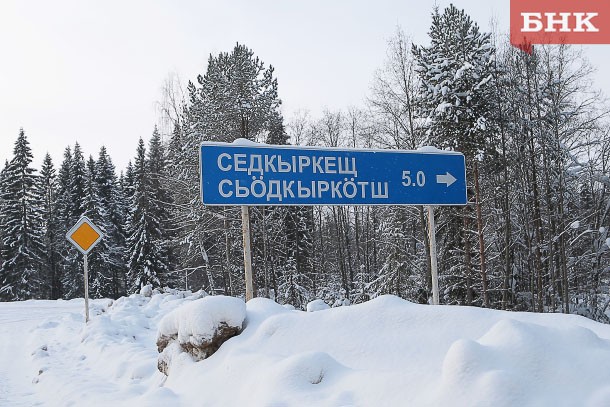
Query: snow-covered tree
65	214
157	162
3	196
237	97
455	71
52	238
113	205
147	261
99	267
457	99
22	224
72	188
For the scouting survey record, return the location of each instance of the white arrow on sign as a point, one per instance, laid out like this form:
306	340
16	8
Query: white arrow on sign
447	179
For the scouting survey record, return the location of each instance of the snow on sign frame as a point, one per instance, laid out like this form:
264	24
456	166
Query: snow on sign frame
248	173
84	235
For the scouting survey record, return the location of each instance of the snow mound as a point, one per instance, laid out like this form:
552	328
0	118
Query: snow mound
515	362
111	361
317	305
385	352
392	352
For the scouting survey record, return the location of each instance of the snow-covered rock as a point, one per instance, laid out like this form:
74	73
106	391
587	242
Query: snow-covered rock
146	291
199	328
317	305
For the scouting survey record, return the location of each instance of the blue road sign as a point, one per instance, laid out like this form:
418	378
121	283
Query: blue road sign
259	174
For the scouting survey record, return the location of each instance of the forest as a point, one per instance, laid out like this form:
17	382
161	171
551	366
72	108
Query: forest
533	237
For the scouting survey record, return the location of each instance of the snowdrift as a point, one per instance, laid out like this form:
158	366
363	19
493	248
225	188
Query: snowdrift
386	352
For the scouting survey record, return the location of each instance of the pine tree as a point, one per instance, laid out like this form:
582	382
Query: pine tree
147	263
457	97
455	72
237	97
22	225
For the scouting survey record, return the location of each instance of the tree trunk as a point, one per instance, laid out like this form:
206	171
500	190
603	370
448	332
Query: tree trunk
467	257
480	233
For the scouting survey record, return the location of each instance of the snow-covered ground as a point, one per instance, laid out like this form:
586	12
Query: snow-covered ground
387	352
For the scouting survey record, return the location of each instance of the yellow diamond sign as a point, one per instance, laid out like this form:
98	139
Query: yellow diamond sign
84	235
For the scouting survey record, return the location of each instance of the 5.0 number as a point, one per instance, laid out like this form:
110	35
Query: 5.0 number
420	179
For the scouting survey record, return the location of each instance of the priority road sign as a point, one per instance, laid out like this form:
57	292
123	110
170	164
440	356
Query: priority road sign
84	235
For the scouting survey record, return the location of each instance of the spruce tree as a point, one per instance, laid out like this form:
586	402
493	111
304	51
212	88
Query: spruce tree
78	173
157	164
100	275
22	225
111	200
65	216
74	201
52	239
147	262
3	195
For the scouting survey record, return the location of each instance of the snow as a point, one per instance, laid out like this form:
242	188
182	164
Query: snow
246	142
242	142
429	149
435	150
608	242
146	291
384	352
441	108
317	305
575	224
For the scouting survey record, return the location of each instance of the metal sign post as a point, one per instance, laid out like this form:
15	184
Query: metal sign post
250	174
84	235
85	266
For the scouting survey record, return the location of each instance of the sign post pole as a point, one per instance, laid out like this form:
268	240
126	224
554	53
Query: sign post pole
84	235
86	288
433	258
245	228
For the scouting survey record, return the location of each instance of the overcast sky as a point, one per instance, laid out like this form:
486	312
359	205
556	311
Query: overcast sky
91	71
